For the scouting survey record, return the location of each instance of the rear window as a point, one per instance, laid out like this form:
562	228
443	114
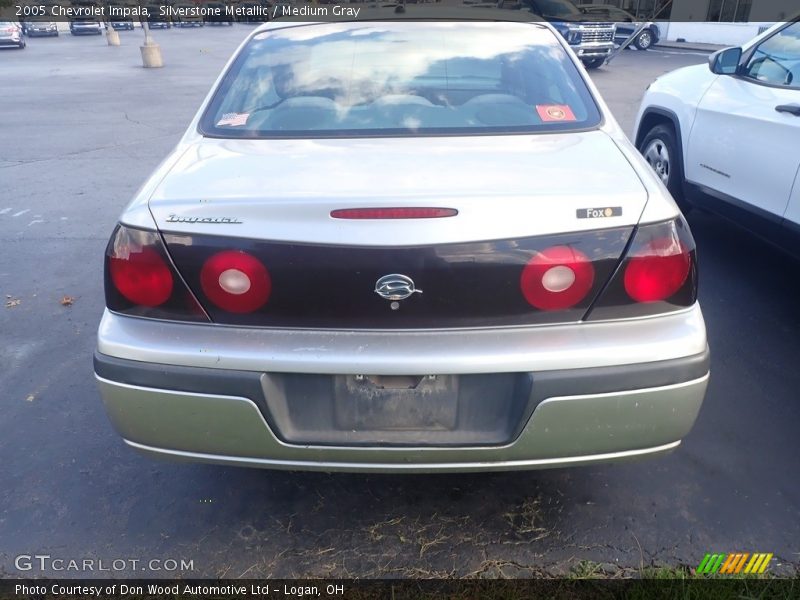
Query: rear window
412	78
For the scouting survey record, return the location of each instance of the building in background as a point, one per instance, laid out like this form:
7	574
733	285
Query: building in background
727	22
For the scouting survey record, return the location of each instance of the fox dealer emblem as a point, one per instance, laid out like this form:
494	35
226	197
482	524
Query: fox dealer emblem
395	287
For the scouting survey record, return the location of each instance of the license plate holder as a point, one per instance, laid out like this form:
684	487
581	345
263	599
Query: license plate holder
396	403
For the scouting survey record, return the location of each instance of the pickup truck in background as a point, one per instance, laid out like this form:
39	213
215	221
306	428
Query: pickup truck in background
591	37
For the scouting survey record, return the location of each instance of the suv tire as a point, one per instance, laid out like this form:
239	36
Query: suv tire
594	63
645	40
660	149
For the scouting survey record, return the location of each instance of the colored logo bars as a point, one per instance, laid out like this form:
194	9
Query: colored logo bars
732	564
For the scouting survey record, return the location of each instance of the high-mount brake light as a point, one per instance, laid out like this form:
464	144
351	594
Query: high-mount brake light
236	281
557	278
394	213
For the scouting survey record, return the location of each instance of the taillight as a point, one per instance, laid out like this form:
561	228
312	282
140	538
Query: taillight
658	274
557	278
236	281
141	281
141	275
657	271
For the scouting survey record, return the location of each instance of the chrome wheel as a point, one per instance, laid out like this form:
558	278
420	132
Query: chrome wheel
645	40
657	156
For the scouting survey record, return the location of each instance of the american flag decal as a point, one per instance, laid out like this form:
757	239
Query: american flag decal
233	119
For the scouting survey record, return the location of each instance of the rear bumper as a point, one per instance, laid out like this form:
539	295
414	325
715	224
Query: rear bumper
575	415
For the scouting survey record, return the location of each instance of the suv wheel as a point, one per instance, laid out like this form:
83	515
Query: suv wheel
594	63
645	40
660	149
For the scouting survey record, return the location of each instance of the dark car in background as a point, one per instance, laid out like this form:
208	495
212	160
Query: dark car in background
11	34
40	28
188	15
122	25
121	20
85	27
154	19
221	18
253	11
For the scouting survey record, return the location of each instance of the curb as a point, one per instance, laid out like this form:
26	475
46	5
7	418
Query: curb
696	47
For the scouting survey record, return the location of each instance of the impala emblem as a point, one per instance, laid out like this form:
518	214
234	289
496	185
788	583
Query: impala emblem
395	287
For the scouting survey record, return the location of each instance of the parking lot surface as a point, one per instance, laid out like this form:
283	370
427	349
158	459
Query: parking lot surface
83	125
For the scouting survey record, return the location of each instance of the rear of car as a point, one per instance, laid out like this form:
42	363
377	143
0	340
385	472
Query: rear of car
85	27
155	18
372	251
122	24
11	34
218	14
188	15
42	28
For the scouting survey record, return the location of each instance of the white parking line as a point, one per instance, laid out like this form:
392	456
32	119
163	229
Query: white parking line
4	211
35	221
22	212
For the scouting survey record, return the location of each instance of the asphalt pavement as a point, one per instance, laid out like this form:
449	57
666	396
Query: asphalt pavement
82	126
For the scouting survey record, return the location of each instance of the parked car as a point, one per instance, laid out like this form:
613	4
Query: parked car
154	19
726	136
254	11
11	34
590	37
222	18
85	27
627	24
349	264
121	25
41	28
189	16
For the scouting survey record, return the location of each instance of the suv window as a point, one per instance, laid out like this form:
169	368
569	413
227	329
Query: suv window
776	60
620	15
355	79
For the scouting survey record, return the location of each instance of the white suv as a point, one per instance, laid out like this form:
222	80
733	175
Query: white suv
727	137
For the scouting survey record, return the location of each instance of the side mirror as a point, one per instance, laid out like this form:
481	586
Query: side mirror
725	62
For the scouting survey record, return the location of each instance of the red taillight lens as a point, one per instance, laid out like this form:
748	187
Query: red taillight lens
394	213
657	275
557	278
141	275
141	281
236	281
657	271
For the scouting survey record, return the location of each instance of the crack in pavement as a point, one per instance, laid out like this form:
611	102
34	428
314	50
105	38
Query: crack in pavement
68	155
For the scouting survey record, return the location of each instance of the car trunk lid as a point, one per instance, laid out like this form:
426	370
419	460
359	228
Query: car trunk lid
515	198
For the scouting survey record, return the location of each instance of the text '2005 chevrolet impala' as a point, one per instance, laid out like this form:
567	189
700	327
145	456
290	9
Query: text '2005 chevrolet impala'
402	246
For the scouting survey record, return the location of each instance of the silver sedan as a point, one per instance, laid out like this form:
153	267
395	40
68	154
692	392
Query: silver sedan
402	246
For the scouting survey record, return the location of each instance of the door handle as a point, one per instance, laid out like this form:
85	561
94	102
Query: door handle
792	109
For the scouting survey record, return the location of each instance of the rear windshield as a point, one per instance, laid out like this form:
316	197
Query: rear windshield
412	78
